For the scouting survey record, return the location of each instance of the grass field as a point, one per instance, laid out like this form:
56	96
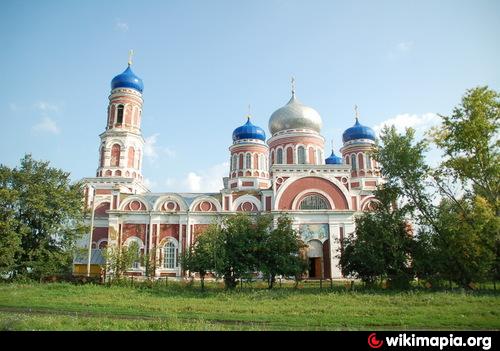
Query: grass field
64	306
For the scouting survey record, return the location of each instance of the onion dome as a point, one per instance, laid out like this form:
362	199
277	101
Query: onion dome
358	131
127	79
249	131
333	160
295	115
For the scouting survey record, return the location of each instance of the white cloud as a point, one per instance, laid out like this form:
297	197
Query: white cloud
405	46
207	180
407	120
402	48
47	125
153	151
121	25
200	181
45	106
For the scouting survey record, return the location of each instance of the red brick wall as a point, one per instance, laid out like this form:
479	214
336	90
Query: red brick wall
132	229
169	230
100	210
99	233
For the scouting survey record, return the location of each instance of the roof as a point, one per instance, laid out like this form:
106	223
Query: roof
96	257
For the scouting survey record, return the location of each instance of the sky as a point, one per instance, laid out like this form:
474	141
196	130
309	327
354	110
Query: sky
204	62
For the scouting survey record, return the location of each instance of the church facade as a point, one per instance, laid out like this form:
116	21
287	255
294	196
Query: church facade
285	173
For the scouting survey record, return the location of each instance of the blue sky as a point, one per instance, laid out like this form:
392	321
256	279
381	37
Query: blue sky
203	62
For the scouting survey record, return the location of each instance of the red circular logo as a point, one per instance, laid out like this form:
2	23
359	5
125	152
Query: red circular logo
373	342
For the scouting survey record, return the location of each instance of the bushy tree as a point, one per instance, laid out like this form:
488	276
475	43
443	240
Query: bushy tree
382	245
458	236
200	257
119	259
41	218
242	245
280	252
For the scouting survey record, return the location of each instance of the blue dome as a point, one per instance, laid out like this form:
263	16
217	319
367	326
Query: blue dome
358	131
127	79
333	160
249	131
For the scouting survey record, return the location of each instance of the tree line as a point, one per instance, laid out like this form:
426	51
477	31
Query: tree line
438	224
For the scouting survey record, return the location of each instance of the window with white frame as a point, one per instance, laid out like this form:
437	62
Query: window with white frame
314	202
368	162
279	156
301	155
248	159
353	162
170	255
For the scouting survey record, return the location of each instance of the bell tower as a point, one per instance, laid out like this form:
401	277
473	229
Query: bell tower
121	147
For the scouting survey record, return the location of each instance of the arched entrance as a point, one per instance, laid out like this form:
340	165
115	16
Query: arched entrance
315	258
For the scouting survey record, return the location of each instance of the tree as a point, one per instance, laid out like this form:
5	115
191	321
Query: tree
280	252
10	240
382	245
469	139
457	234
200	257
41	218
120	258
237	247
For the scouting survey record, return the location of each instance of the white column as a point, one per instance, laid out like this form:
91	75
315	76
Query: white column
335	272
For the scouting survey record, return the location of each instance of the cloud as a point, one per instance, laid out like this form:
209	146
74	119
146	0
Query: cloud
405	46
153	151
45	106
401	49
200	181
47	125
407	120
121	25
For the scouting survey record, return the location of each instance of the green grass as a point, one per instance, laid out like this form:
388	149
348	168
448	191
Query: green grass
63	306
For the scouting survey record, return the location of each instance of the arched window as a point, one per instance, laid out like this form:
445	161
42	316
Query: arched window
353	162
170	255
368	162
135	244
279	156
314	202
102	156
248	161
235	162
119	116
301	155
115	155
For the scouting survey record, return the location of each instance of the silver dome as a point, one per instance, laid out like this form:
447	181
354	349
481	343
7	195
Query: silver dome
295	115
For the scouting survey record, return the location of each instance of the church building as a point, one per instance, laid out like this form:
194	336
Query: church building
286	171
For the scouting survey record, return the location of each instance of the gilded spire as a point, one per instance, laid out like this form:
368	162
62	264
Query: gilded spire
293	86
249	112
130	54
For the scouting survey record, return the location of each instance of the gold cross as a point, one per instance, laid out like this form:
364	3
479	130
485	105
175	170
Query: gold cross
356	111
293	85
